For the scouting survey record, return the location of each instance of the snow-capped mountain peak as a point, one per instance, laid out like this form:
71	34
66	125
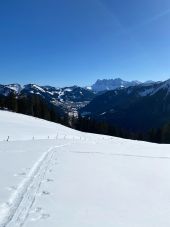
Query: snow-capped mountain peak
112	84
8	89
15	87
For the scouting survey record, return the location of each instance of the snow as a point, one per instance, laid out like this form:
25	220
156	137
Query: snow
55	176
15	87
60	94
146	92
51	93
68	89
22	127
163	85
103	113
112	84
104	189
89	88
38	88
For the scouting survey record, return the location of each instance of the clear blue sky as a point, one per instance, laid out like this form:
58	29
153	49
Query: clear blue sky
66	42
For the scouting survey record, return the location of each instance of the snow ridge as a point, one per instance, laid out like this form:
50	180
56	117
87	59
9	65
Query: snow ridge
15	211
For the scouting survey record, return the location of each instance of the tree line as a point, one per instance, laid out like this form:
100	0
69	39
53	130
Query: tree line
155	135
33	105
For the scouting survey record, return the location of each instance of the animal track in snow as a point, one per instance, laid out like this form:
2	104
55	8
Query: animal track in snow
38	214
45	216
11	188
49	180
20	174
45	193
50	170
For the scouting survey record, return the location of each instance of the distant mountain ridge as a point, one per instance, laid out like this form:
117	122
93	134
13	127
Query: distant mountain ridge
139	107
112	84
134	106
98	86
73	93
67	99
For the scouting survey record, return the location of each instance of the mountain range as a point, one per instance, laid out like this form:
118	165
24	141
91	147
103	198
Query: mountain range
112	84
136	108
69	99
134	105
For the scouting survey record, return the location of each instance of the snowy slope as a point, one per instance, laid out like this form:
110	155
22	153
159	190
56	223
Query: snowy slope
76	179
22	127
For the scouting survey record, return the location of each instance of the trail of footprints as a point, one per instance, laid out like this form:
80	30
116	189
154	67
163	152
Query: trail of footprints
38	213
23	173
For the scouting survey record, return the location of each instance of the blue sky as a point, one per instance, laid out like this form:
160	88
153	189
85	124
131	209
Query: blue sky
66	42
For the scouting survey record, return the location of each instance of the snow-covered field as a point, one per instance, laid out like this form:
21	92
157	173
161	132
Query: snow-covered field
53	176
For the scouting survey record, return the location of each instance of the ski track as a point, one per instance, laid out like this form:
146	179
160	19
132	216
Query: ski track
15	211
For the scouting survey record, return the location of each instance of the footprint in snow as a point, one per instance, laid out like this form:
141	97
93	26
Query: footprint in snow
45	193
40	216
11	188
45	216
38	209
35	210
54	164
49	180
20	174
36	218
